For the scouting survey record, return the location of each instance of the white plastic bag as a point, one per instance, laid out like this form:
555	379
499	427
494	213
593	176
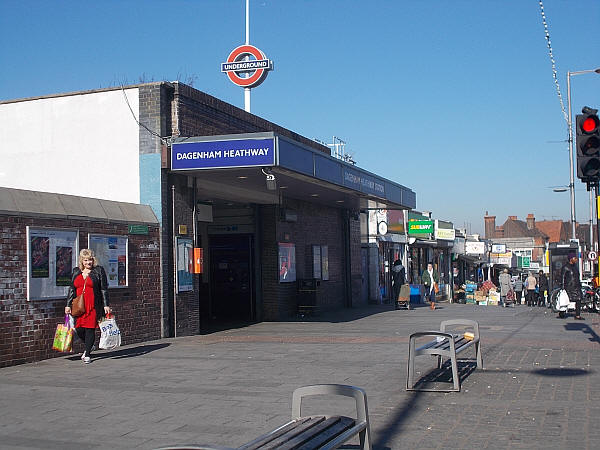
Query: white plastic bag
110	336
563	299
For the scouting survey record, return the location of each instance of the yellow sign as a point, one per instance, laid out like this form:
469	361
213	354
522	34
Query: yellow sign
182	229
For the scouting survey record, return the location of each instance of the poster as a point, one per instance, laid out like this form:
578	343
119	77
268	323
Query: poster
40	257
287	262
185	265
324	262
64	265
51	257
111	253
316	253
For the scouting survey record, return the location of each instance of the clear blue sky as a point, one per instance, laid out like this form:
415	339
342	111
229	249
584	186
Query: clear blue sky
454	99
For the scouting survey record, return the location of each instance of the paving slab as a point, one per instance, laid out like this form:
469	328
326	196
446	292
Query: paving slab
538	388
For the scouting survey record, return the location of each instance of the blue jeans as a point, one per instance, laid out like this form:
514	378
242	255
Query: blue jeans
430	295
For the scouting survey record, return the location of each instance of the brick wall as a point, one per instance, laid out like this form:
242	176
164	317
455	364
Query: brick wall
27	327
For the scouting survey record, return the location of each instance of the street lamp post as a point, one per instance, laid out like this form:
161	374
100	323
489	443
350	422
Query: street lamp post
571	159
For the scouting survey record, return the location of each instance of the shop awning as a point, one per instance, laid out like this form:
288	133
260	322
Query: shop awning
392	237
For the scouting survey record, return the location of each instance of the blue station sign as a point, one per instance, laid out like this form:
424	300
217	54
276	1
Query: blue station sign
222	154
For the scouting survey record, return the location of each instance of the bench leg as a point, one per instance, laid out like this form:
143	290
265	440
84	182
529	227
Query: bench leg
365	442
455	377
478	354
410	379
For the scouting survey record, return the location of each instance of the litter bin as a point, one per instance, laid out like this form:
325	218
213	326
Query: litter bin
307	296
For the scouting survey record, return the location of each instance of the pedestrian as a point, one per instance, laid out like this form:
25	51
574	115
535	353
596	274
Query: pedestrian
505	286
543	285
90	279
531	283
398	279
572	284
430	279
518	287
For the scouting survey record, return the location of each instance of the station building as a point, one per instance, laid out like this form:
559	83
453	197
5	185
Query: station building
254	219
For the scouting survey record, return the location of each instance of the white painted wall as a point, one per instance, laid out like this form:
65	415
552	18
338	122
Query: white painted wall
86	144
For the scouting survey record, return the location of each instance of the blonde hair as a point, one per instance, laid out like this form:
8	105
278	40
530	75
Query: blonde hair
87	253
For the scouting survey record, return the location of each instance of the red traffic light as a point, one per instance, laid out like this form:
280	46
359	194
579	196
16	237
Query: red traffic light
589	124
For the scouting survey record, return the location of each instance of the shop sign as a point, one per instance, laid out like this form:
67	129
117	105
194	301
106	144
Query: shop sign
138	229
498	248
474	248
444	231
240	62
420	227
220	154
524	262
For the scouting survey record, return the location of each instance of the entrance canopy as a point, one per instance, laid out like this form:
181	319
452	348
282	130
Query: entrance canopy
257	167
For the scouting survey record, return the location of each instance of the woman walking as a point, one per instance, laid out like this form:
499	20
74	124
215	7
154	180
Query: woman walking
430	279
90	280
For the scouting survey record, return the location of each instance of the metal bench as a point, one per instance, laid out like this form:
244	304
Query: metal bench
445	345
311	432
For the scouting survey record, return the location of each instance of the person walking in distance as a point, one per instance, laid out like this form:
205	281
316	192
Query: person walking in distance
543	285
398	279
572	284
430	279
531	283
518	287
90	279
504	282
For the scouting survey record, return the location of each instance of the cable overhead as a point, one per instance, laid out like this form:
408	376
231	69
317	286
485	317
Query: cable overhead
164	140
551	55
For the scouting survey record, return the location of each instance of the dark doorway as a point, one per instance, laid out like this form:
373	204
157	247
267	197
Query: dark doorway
232	278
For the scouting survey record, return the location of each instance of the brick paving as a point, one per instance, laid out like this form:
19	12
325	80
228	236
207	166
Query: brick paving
538	389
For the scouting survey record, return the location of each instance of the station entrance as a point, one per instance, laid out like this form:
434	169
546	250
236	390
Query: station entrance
232	296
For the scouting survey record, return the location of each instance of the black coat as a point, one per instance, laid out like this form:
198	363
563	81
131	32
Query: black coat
98	276
570	279
543	283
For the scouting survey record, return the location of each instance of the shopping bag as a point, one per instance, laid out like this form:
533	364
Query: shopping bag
63	337
563	299
404	294
436	288
110	335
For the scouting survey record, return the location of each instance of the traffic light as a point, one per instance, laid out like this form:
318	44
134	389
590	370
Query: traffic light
588	145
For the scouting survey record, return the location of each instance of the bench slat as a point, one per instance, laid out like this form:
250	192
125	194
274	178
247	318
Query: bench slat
269	442
266	438
319	435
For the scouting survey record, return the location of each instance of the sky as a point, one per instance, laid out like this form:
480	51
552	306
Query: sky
453	99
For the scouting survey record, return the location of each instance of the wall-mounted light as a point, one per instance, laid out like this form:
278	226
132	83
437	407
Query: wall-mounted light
270	179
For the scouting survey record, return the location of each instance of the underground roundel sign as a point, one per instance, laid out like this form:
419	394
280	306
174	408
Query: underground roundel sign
247	66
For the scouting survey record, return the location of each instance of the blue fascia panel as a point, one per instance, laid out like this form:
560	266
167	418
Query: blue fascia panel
295	157
328	170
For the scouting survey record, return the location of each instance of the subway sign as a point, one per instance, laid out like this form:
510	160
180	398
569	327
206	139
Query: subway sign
420	227
222	154
247	66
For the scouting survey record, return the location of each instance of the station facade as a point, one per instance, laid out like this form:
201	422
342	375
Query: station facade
255	219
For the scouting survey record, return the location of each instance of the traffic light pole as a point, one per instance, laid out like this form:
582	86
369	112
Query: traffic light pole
571	163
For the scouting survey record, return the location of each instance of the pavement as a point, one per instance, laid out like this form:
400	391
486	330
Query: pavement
539	387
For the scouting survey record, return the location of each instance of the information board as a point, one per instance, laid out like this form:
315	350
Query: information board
185	265
51	257
111	253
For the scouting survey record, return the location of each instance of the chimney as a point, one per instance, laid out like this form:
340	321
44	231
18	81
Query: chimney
530	222
512	217
500	231
489	226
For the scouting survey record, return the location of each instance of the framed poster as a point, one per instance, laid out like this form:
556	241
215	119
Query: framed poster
316	263
287	262
324	262
51	257
111	253
185	264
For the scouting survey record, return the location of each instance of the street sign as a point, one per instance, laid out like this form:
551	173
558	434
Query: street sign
592	255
